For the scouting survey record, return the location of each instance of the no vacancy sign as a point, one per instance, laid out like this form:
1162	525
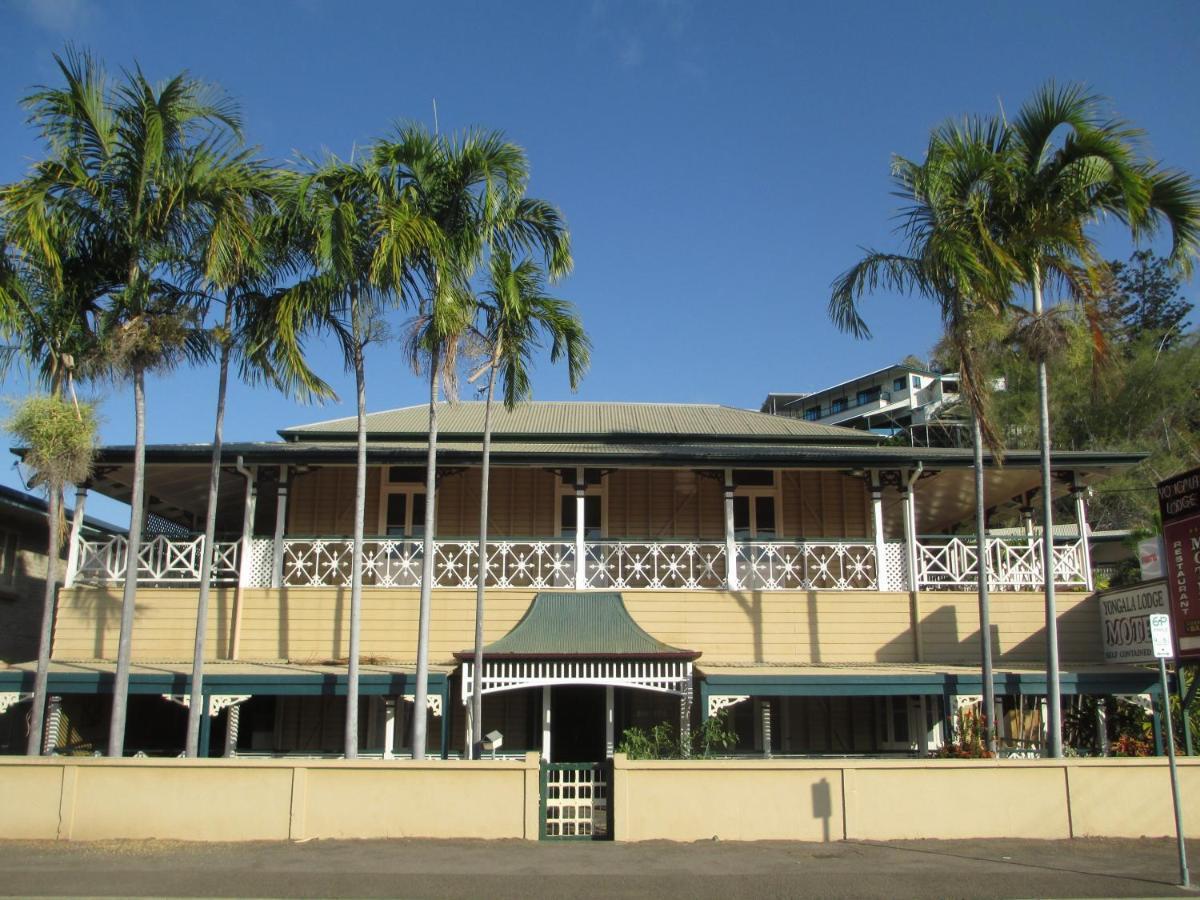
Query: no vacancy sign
1125	621
1179	501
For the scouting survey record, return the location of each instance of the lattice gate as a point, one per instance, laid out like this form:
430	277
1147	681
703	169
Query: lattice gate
575	801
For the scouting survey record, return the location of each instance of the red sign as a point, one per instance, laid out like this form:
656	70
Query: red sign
1179	501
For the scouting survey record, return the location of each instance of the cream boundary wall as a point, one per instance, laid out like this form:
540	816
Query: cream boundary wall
732	627
881	800
266	800
69	798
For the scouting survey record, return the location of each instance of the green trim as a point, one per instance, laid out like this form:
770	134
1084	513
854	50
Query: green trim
1027	683
299	684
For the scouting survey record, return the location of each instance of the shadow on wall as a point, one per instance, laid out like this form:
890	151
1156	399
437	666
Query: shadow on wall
751	603
822	802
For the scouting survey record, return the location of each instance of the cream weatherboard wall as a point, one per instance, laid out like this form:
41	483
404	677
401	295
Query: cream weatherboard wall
797	628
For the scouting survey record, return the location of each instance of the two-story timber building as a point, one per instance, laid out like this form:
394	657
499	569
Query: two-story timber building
646	561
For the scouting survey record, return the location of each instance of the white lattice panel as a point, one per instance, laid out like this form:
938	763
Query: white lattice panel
576	802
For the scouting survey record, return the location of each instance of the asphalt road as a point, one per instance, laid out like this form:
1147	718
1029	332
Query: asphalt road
501	869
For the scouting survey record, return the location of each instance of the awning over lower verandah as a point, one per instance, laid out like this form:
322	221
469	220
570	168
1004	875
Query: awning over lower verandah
909	680
230	683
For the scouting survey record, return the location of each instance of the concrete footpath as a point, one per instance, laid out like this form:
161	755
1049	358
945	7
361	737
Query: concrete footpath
502	869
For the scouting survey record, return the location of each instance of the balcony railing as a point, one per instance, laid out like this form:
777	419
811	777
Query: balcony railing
946	564
1013	565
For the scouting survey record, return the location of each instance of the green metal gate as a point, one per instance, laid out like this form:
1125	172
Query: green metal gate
575	801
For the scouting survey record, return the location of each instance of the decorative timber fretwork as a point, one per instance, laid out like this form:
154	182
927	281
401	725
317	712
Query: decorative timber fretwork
718	702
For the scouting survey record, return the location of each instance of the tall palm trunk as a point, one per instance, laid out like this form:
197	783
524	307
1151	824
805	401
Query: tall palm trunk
985	616
360	512
38	715
116	729
1053	691
197	708
420	692
477	680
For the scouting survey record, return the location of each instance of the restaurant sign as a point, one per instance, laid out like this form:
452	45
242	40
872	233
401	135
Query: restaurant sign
1125	621
1179	502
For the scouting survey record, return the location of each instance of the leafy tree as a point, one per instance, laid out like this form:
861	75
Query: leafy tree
1063	164
472	191
515	312
241	252
1142	297
945	261
131	165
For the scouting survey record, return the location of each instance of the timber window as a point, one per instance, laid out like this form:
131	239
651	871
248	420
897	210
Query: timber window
898	384
755	505
402	510
8	557
595	506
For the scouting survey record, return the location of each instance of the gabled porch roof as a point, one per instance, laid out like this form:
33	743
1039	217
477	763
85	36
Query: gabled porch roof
572	625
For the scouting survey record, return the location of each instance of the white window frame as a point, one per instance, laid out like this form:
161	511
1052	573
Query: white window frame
775	492
386	489
592	490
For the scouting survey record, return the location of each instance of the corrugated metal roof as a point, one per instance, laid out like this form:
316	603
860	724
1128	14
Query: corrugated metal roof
584	623
796	453
588	419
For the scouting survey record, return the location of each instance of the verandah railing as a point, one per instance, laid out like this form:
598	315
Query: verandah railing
946	564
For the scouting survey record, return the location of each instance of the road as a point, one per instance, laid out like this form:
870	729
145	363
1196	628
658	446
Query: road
502	869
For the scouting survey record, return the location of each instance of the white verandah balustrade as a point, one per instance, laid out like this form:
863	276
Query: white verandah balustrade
161	560
945	564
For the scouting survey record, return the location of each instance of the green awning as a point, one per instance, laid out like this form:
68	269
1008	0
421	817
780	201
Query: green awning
573	624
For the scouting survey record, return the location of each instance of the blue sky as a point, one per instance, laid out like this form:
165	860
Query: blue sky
719	163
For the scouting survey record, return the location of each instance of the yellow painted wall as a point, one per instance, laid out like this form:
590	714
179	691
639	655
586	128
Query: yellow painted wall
881	800
249	800
797	628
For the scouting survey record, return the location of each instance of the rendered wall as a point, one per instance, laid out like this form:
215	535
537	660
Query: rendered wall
884	800
812	800
244	800
738	627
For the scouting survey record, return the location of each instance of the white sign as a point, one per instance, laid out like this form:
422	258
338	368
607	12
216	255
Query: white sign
1124	621
1150	558
1160	635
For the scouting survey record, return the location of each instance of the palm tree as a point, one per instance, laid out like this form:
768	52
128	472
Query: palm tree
1064	166
128	168
49	286
947	261
515	314
471	189
358	238
242	252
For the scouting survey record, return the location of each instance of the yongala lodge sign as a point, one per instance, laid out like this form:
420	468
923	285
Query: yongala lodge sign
1125	621
1179	502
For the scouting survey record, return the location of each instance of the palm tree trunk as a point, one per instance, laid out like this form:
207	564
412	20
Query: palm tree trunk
985	617
37	717
420	692
477	685
360	512
197	708
116	730
1053	690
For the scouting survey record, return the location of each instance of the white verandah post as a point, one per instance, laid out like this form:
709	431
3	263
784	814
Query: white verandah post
881	572
731	576
910	531
76	534
1079	492
249	501
280	522
546	724
580	550
609	697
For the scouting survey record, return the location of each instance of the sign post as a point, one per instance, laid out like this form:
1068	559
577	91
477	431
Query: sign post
1160	635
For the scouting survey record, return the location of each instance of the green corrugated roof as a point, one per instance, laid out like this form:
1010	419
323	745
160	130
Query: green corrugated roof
583	623
578	419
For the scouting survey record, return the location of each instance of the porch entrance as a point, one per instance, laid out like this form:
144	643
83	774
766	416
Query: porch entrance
577	717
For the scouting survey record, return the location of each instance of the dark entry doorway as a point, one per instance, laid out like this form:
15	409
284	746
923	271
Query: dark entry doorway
577	723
